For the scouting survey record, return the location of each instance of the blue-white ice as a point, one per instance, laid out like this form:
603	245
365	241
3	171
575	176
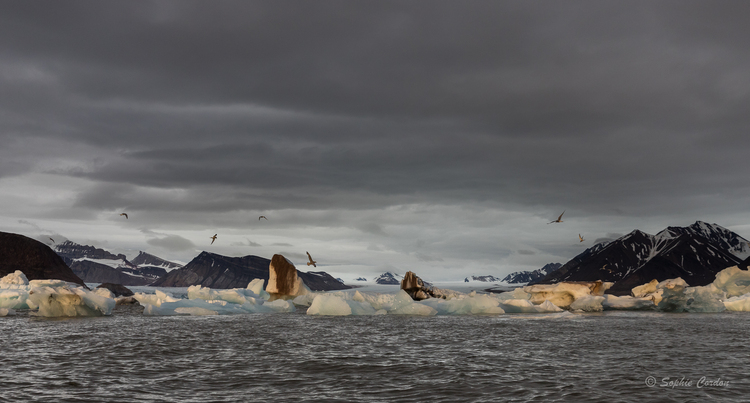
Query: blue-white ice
51	298
730	291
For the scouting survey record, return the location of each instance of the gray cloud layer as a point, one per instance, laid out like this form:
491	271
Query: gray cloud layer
188	109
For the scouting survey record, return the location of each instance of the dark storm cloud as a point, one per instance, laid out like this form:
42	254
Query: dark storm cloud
216	106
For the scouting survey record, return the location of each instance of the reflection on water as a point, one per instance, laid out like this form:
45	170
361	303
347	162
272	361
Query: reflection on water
294	357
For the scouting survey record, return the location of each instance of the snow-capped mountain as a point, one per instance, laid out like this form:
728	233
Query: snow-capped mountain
95	265
389	279
695	253
522	277
482	279
146	259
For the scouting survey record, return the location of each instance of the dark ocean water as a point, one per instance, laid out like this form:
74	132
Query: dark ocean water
294	357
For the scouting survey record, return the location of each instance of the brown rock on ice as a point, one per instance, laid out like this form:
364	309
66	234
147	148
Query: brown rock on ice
417	289
283	282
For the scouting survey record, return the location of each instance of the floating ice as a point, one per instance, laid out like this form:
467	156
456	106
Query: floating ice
16	277
588	303
691	299
7	312
55	298
733	281
405	305
471	304
627	302
517	293
563	294
739	303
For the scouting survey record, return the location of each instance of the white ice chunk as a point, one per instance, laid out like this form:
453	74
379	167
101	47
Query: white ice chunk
563	294
692	299
104	292
16	277
332	305
733	281
14	298
517	293
740	303
588	303
645	289
548	307
472	304
256	286
518	306
7	312
405	305
54	300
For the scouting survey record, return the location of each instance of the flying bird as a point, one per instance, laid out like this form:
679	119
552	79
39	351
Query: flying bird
559	219
581	238
213	238
311	262
125	214
53	241
262	217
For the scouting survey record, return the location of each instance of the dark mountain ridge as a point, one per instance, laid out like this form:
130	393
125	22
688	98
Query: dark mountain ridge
695	253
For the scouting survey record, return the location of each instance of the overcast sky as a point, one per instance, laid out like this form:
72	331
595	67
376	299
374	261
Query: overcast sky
433	136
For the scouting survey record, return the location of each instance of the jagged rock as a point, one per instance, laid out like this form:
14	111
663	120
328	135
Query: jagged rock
418	289
126	301
283	282
35	259
118	290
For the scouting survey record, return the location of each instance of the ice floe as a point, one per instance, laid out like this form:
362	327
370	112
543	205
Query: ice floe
50	298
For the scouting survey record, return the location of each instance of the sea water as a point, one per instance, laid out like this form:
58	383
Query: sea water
610	356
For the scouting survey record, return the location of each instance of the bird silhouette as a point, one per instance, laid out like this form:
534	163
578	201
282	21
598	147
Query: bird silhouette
53	241
262	217
559	219
581	238
311	262
125	214
213	238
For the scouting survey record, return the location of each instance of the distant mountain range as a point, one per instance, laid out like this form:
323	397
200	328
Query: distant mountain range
95	265
389	278
482	279
695	253
523	277
218	271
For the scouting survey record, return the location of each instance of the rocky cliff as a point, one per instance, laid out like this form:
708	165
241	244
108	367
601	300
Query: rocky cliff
35	259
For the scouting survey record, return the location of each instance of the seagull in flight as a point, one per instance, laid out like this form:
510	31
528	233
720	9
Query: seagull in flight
125	214
213	238
559	219
311	262
262	217
581	238
53	241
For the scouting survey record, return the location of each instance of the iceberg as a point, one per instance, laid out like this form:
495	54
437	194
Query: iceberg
588	303
565	293
471	304
733	281
51	298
